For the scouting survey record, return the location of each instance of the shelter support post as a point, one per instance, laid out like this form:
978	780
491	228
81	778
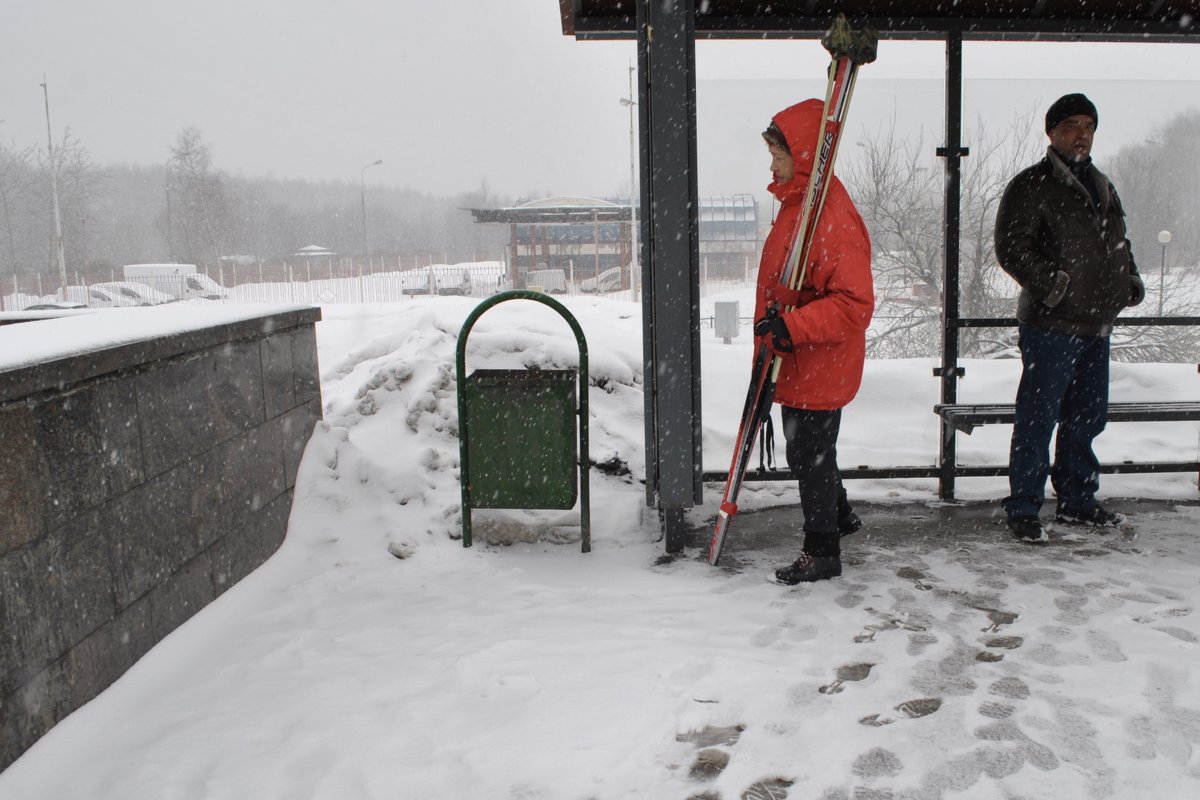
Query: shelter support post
953	152
669	238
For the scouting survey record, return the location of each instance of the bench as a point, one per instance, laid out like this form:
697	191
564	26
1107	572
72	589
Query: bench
967	417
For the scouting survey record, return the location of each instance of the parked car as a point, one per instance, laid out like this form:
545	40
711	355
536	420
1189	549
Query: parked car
607	281
94	297
139	293
58	306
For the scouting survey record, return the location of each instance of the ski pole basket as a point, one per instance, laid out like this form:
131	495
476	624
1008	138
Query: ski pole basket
517	430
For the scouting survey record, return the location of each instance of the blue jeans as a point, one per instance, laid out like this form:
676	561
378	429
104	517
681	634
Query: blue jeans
1064	381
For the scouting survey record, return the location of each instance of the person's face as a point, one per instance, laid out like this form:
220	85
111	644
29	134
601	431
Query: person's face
1072	137
782	168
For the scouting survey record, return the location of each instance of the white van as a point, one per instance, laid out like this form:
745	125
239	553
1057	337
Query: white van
181	281
549	281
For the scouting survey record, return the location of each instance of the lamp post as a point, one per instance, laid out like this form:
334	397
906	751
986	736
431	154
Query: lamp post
1164	237
634	277
58	237
170	218
362	188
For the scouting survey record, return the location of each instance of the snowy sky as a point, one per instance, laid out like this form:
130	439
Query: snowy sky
451	95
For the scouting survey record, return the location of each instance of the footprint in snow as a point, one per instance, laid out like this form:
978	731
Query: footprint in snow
910	709
1003	642
887	622
767	789
998	619
848	672
711	735
1166	612
710	761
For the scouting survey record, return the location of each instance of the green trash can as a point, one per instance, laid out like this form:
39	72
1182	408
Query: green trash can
523	433
521	450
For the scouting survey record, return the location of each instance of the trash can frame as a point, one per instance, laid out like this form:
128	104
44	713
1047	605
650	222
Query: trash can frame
464	421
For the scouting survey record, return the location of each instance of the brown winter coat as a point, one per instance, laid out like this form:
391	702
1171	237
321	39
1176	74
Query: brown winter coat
1048	223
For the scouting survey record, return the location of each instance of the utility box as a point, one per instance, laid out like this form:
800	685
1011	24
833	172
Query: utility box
725	319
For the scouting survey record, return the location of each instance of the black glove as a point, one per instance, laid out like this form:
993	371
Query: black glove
1137	290
781	339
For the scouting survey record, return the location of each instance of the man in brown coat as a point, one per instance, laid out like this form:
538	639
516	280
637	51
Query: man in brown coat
1060	233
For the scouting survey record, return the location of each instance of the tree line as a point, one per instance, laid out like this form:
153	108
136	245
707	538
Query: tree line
187	210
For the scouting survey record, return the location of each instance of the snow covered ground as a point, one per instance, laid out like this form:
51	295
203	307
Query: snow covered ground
374	657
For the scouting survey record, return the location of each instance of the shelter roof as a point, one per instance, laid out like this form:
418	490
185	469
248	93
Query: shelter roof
314	250
1016	20
547	212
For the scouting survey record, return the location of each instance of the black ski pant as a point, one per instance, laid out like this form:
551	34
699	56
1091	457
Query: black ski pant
811	438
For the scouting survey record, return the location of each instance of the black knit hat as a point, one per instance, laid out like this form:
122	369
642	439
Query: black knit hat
1070	105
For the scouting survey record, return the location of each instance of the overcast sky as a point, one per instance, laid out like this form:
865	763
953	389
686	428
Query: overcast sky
452	94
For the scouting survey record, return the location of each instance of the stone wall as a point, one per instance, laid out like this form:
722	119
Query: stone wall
137	484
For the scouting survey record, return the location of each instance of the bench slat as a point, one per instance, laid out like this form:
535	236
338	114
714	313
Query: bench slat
966	417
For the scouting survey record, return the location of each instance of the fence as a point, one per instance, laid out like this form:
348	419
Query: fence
332	282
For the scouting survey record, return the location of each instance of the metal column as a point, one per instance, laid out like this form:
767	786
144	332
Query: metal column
953	152
669	233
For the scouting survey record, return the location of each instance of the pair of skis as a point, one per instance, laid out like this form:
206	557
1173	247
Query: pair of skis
848	50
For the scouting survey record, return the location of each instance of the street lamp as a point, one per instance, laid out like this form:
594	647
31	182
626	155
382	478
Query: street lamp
363	193
170	219
634	278
58	236
1164	237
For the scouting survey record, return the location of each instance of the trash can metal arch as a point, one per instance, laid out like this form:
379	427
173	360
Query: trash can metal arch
517	430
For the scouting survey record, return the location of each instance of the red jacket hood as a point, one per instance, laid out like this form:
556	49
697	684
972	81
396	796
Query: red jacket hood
801	127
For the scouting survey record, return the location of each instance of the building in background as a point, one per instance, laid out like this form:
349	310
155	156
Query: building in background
588	241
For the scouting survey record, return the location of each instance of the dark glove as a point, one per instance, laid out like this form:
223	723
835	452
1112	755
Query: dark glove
1059	290
1137	290
781	339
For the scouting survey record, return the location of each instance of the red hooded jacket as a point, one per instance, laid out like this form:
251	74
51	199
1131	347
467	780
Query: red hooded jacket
836	297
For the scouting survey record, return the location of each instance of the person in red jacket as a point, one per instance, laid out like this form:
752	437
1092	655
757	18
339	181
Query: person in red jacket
818	331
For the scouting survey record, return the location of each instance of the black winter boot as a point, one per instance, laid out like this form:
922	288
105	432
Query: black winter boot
1028	529
807	569
848	523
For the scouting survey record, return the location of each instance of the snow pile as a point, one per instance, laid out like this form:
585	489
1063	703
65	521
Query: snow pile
391	417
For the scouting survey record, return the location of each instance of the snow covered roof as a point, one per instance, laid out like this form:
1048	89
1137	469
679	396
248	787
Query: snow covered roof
314	250
563	202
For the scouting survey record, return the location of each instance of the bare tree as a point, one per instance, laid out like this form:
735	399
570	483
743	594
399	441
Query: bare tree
896	189
17	176
201	208
900	194
26	216
1157	180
